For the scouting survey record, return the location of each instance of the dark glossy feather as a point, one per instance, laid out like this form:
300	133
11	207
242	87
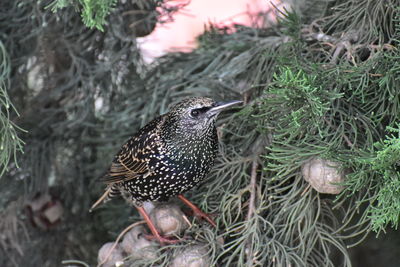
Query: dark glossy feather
131	162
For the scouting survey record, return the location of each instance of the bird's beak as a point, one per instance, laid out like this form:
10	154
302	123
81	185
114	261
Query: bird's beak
219	106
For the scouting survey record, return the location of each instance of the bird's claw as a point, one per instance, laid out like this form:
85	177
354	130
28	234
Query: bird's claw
162	240
207	217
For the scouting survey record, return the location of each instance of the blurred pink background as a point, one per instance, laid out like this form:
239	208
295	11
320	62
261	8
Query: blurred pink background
190	21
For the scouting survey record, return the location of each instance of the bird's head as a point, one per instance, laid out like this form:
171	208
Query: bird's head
196	115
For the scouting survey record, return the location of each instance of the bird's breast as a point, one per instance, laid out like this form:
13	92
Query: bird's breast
173	170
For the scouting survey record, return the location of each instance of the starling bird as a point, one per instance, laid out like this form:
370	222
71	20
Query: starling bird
167	157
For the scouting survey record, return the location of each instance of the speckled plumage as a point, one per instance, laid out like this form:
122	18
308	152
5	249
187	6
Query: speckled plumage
169	156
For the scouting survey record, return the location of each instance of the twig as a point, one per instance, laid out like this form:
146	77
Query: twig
349	143
252	188
187	221
75	262
252	208
118	238
346	42
305	190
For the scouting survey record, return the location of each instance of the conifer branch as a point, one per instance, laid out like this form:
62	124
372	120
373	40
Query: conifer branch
253	188
252	208
349	143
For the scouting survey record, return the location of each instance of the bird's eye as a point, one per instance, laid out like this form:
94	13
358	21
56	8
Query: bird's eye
194	113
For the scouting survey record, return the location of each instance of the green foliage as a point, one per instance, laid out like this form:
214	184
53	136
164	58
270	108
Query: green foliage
328	88
301	96
382	167
93	12
388	155
290	23
10	144
365	21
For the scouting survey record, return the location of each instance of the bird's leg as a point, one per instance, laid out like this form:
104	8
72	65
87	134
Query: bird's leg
153	229
197	212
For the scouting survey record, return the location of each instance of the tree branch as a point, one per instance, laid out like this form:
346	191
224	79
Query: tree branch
252	207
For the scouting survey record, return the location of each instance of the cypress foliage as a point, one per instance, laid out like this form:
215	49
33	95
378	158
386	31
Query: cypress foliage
10	143
321	84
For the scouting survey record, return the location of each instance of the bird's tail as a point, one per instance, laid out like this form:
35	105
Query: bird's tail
111	192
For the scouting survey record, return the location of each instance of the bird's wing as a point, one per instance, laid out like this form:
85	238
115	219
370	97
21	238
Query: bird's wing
132	160
124	168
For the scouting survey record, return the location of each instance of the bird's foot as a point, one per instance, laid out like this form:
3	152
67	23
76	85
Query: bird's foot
155	234
162	240
197	212
204	216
